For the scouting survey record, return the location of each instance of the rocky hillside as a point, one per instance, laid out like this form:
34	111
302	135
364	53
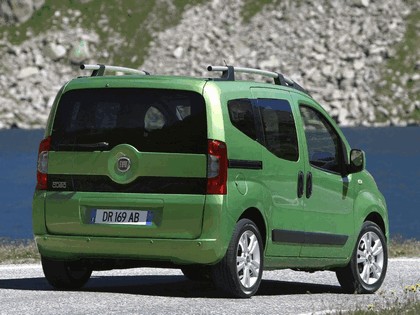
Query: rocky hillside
358	58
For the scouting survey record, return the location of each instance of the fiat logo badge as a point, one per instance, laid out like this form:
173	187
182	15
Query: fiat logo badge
123	164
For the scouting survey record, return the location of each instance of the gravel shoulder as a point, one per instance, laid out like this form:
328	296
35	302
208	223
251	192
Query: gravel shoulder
23	290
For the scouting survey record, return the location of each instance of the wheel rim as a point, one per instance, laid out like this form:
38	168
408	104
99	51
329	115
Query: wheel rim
370	258
248	259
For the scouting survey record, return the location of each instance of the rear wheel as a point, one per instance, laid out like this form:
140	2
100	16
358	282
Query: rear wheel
66	275
367	267
200	273
239	272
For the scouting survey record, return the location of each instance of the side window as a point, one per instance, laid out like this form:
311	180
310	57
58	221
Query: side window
279	128
242	116
322	140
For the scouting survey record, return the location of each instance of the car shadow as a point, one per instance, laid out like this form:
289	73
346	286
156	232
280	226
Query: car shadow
169	286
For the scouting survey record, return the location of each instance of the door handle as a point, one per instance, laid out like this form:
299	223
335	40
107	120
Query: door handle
300	184
308	185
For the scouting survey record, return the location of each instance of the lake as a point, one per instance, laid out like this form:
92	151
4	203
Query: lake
393	158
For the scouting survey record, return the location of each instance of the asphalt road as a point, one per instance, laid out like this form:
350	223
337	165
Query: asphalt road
23	290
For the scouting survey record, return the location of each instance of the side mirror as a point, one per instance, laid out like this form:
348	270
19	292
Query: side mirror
357	161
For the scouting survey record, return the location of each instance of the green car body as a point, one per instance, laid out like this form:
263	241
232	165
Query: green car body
306	230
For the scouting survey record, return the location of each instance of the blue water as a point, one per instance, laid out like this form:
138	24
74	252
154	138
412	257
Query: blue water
393	158
18	155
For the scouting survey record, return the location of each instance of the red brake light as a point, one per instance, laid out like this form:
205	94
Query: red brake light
217	164
42	167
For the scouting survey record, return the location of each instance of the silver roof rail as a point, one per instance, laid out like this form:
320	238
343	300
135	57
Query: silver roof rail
99	69
228	74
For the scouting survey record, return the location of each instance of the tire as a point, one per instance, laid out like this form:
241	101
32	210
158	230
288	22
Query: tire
65	275
199	273
239	273
368	265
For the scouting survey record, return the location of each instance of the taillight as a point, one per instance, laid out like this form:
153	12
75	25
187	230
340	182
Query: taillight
217	164
42	168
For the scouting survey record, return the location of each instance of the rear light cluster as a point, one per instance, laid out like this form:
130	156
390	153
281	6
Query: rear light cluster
217	164
42	168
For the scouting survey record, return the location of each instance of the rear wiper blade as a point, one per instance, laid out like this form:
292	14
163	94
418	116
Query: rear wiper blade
97	145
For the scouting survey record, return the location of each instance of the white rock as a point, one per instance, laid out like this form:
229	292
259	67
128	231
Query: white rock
327	70
178	52
337	95
361	3
415	77
55	52
364	3
348	74
37	4
27	72
270	64
38	59
358	64
79	52
22	9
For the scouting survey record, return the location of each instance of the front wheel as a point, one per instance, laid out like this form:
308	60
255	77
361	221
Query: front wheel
66	275
368	264
239	272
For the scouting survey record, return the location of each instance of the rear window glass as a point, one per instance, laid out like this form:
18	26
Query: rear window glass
151	120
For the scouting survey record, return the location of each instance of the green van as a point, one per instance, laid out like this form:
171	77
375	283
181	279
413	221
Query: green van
218	177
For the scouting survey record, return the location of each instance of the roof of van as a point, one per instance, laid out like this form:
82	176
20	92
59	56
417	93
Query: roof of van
142	77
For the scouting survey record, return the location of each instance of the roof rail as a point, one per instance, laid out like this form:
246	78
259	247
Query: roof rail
99	70
228	74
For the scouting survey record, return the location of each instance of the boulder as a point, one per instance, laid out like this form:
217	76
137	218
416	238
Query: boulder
18	11
54	51
27	72
79	52
178	52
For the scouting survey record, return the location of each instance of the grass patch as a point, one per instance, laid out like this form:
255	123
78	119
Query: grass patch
407	302
399	247
18	251
408	308
130	22
400	69
252	7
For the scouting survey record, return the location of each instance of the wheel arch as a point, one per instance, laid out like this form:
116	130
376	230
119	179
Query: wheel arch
371	206
256	216
376	218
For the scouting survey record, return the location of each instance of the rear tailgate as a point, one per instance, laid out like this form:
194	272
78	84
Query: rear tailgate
128	163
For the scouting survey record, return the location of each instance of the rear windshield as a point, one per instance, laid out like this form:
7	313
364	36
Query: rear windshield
151	120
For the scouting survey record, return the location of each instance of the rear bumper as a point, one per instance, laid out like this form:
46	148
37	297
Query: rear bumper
202	251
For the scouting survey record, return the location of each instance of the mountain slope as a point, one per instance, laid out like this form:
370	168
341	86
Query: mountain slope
359	58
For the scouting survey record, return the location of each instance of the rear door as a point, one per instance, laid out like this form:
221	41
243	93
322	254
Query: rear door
282	168
128	162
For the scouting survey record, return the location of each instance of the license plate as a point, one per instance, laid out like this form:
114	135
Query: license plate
128	217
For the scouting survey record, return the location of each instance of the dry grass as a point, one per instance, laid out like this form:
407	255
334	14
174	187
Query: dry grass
399	247
405	302
24	251
18	251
